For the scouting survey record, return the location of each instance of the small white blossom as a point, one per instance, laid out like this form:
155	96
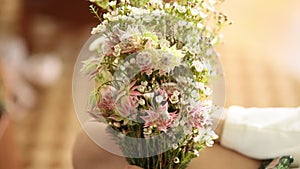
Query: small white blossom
159	99
174	146
148	95
199	85
196	152
176	160
200	25
181	9
144	83
208	91
132	61
98	29
198	65
167	5
176	93
202	14
164	43
141	102
194	94
112	3
194	11
141	88
174	99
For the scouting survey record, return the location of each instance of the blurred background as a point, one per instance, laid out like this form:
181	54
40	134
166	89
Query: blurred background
41	39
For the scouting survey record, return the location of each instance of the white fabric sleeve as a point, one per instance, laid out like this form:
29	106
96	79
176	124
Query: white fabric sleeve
263	133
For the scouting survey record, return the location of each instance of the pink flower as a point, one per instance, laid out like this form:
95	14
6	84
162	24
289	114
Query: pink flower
199	116
107	102
127	100
127	106
159	118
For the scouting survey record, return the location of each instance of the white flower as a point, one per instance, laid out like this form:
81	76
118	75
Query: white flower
196	152
202	14
194	11
132	61
141	88
200	25
208	6
199	85
159	99
174	146
141	102
176	93
194	94
181	9
208	91
112	3
144	83
167	5
197	139
98	29
209	137
155	1
198	65
148	95
176	160
174	99
139	11
164	43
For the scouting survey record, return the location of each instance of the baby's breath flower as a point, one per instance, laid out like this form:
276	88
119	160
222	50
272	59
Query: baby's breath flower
112	3
141	102
167	5
159	99
144	83
196	152
132	61
174	99
200	25
199	85
164	43
208	91
141	88
98	29
194	12
198	65
176	93
176	160
174	146
181	9
195	94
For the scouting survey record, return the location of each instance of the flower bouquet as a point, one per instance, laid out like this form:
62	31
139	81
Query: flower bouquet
154	64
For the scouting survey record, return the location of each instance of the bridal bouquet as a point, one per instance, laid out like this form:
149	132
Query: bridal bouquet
153	64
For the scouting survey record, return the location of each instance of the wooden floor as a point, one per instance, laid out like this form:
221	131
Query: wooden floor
256	63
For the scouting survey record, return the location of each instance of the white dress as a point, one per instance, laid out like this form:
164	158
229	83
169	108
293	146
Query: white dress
263	133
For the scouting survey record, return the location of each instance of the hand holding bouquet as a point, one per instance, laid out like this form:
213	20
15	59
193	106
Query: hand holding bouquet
153	64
